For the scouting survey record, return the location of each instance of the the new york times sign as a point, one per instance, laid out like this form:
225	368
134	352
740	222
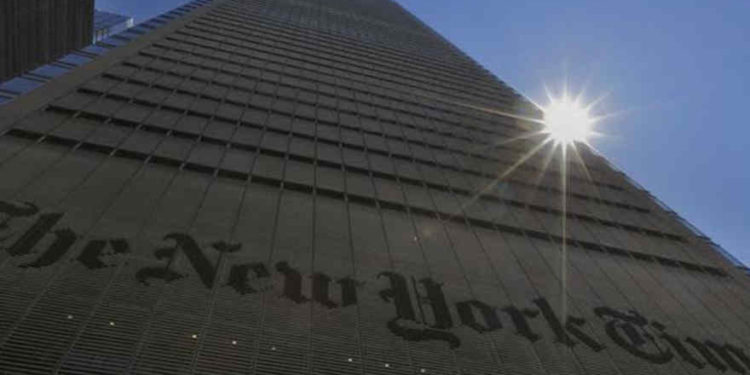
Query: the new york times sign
35	237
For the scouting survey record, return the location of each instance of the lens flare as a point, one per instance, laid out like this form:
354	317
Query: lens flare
566	121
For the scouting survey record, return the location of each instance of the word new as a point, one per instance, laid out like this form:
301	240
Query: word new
421	310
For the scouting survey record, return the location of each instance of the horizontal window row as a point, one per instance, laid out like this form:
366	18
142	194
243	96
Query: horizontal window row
311	149
264	96
458	68
403	37
446	159
262	83
423	155
368	102
354	147
473	76
401	32
338	185
593	171
404	84
452	110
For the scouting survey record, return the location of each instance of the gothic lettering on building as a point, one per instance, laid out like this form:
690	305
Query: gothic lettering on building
420	310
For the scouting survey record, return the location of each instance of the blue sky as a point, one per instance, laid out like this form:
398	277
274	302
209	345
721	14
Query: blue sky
676	72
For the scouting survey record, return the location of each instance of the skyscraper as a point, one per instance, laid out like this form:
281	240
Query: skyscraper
306	187
33	33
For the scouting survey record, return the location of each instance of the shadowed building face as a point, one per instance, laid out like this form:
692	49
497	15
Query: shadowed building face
300	187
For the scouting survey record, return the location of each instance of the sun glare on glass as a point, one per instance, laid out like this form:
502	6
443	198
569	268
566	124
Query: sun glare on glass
567	121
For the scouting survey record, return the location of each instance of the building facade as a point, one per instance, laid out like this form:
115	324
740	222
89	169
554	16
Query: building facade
106	24
33	33
304	187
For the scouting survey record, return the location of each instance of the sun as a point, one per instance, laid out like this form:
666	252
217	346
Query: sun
566	121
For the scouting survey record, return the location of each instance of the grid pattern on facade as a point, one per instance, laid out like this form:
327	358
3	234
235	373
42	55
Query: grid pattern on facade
303	187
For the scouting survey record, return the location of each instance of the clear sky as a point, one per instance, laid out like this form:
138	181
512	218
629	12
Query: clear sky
676	72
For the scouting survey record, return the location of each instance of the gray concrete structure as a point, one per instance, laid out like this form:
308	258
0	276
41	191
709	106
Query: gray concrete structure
35	32
299	187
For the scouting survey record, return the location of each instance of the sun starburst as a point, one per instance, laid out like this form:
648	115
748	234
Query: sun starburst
567	119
